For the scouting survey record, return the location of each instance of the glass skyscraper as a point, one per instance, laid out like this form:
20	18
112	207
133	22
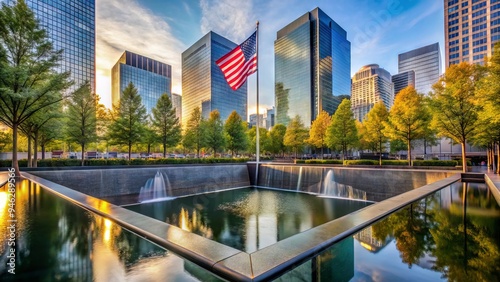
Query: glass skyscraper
425	62
312	67
151	78
177	104
203	83
403	80
370	85
471	28
70	25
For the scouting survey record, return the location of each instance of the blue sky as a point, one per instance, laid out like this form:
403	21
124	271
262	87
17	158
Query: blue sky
378	31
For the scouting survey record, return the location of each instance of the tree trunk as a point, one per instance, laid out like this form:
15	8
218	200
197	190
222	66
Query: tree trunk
42	147
322	154
129	151
409	153
464	158
488	155
380	154
83	152
164	150
35	153
149	149
492	157
29	150
15	163
498	158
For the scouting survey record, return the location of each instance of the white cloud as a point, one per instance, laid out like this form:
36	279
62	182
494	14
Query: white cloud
229	18
126	25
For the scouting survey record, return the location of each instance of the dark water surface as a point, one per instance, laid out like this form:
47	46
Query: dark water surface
452	235
58	241
249	219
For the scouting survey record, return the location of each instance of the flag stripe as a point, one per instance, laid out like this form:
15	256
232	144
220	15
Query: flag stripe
239	63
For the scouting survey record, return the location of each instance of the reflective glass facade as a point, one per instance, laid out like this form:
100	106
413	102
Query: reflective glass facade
425	62
177	104
370	85
204	85
151	78
312	67
70	25
472	27
403	80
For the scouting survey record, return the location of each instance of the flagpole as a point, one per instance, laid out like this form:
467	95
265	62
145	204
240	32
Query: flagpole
258	118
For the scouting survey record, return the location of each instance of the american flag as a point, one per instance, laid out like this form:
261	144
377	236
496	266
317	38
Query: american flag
241	62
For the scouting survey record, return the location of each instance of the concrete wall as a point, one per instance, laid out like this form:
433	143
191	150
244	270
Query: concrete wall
184	180
379	184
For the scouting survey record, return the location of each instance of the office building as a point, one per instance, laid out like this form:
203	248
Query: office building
471	28
312	67
270	116
253	121
70	25
177	105
203	83
403	80
425	62
150	77
370	85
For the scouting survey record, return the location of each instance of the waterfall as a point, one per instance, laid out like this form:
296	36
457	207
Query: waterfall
156	188
299	181
338	190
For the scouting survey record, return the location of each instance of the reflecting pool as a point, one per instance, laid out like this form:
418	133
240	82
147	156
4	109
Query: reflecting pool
453	235
58	241
249	219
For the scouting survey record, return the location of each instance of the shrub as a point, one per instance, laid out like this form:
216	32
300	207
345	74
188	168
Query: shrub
360	162
394	162
434	163
316	161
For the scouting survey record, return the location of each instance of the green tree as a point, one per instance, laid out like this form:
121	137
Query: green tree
488	131
194	133
49	133
215	132
317	133
150	138
296	135
374	123
454	104
81	117
263	140
5	139
342	133
408	118
236	139
166	124
29	81
277	139
127	126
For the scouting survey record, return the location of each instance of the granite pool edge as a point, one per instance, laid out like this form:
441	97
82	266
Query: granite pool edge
232	264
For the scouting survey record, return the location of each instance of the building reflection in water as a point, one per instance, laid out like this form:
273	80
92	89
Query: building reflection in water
57	240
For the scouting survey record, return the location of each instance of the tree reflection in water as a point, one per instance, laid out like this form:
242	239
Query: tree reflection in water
457	227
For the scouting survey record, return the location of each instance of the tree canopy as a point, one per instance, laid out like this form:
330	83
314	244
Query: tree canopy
236	139
214	127
194	132
165	123
128	118
374	123
81	117
296	135
342	132
454	103
317	133
408	118
29	81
